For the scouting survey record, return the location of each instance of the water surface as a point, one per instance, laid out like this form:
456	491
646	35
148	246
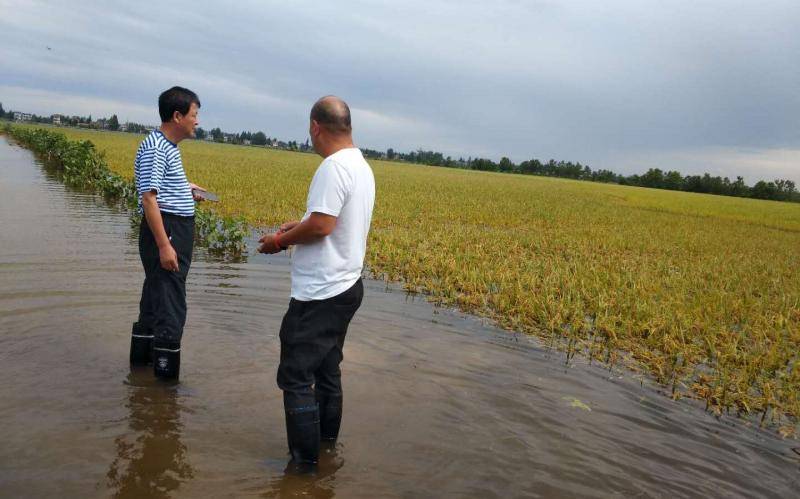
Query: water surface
437	404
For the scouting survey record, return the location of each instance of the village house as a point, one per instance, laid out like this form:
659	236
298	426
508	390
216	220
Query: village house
22	116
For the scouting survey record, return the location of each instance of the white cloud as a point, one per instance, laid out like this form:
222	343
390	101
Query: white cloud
586	81
45	103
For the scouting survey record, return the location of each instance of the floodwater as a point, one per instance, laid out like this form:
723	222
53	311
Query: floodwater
437	404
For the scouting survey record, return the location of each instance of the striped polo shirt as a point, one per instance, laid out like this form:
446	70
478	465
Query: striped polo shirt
158	167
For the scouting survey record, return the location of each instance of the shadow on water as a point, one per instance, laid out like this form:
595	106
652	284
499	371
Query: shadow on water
437	403
151	459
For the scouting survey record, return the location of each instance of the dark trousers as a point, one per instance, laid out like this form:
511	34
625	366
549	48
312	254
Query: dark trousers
312	337
162	308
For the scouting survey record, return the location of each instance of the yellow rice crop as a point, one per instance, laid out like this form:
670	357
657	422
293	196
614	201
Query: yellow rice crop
703	291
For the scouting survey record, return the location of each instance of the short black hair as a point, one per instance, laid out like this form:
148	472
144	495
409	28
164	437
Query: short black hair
333	113
175	99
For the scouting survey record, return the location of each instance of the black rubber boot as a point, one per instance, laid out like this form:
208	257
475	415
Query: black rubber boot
141	345
330	416
166	360
302	431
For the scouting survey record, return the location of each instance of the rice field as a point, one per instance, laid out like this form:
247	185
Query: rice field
701	291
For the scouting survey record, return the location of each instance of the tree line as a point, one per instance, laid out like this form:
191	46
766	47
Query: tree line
777	190
215	134
250	138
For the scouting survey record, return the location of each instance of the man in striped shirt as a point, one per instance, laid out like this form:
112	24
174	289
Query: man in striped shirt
166	235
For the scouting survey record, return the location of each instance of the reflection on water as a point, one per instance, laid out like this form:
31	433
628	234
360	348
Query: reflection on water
151	459
319	483
436	403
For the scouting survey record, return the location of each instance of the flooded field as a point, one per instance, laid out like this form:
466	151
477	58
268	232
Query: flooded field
437	404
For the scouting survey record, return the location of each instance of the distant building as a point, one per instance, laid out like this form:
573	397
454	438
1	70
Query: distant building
22	116
247	142
123	127
209	137
56	119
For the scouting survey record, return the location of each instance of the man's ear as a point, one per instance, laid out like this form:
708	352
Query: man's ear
176	116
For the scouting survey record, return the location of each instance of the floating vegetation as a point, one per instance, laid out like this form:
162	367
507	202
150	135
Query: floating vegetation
80	165
700	291
577	404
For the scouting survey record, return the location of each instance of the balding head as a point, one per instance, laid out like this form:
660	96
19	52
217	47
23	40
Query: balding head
333	114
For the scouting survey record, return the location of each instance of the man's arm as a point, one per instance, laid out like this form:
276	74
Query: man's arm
166	253
314	228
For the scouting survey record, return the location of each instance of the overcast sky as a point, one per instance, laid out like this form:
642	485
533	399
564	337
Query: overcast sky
625	85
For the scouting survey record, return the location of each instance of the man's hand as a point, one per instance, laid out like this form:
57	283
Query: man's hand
288	226
268	244
169	259
195	187
314	228
166	253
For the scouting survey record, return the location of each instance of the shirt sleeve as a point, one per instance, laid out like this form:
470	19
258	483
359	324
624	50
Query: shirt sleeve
155	161
330	189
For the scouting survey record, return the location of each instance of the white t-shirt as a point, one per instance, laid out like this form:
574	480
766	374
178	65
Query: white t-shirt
343	186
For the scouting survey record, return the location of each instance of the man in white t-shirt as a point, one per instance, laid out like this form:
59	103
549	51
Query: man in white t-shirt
330	244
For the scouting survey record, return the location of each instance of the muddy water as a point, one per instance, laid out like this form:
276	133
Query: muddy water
437	404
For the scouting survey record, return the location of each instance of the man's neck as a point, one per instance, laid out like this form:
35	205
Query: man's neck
171	133
337	146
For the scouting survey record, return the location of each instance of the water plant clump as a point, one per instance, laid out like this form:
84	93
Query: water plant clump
221	234
80	165
700	291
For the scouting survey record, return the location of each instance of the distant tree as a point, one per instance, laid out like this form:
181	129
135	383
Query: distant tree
259	139
113	123
764	190
531	167
199	133
653	178
673	180
135	127
483	164
216	134
739	188
390	154
506	165
785	190
606	176
570	170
